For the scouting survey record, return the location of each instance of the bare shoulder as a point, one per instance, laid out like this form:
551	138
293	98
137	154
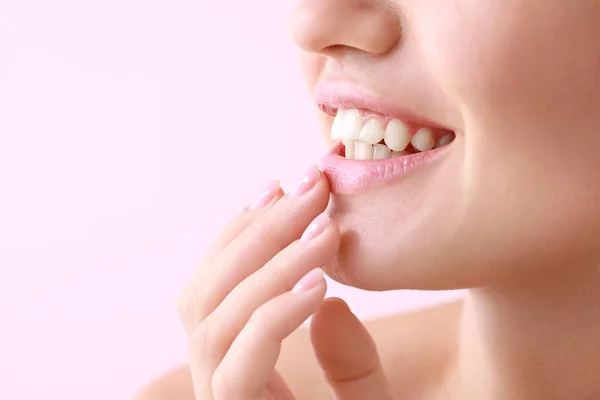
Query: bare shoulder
418	349
415	347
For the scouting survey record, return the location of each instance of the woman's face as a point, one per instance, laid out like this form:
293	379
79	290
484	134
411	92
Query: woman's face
518	82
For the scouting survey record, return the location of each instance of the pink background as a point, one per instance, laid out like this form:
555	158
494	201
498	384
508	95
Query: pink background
130	132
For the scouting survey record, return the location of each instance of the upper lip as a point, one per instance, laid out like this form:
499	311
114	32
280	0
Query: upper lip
331	95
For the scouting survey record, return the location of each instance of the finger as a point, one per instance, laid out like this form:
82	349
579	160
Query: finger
250	362
347	354
187	303
277	277
270	195
262	240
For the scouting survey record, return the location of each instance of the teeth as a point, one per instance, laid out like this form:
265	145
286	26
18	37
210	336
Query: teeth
399	153
362	141
423	140
352	125
372	132
444	140
363	151
381	152
397	136
350	144
336	129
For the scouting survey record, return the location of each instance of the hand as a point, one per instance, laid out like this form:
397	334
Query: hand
249	292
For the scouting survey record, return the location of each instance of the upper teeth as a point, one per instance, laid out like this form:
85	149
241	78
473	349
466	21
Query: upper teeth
372	132
351	124
423	140
362	140
397	135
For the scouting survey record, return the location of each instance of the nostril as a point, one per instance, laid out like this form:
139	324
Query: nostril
335	27
336	50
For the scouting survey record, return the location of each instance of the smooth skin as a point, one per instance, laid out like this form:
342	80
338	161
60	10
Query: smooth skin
415	370
510	212
240	305
243	322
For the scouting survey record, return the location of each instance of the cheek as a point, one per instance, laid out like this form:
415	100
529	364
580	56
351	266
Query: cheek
475	58
524	76
514	60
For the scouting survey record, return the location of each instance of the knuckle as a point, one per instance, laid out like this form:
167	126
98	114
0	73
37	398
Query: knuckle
260	227
265	223
200	344
261	319
192	307
188	307
205	343
268	233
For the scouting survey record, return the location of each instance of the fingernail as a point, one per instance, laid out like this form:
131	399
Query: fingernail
311	177
316	227
310	281
267	195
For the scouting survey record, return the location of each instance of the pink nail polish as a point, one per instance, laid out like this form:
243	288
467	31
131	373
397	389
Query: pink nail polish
311	177
316	227
267	195
309	281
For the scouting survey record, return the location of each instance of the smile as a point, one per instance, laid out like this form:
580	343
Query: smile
375	149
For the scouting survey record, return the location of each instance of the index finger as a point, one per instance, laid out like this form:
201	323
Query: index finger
186	303
268	197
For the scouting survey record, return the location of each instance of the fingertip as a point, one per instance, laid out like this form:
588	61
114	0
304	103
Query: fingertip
310	281
334	311
321	191
333	224
271	194
333	233
322	290
336	302
324	181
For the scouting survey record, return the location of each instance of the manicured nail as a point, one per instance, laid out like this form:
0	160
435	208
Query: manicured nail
310	281
267	195
316	227
311	177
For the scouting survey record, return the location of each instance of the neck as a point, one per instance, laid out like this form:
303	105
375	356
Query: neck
540	340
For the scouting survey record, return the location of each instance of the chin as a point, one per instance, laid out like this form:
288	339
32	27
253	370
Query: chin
374	256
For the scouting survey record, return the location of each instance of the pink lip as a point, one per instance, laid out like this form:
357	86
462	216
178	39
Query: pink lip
331	95
352	176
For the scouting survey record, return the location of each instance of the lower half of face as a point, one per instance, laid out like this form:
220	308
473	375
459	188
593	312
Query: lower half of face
517	193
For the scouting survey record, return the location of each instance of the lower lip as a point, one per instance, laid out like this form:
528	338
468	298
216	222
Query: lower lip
354	176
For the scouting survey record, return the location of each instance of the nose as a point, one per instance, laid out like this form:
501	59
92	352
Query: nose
321	26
